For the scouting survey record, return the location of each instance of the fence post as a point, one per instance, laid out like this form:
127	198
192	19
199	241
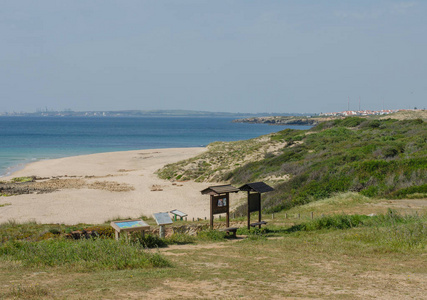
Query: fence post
312	215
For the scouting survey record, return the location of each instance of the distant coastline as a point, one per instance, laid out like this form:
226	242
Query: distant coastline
140	113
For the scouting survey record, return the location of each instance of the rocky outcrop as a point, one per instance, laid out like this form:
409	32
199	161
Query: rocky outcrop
279	121
49	185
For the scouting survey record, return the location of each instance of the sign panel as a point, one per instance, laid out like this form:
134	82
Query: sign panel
254	202
220	204
129	225
162	218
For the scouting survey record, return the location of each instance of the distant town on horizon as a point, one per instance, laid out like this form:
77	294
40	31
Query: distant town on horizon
186	113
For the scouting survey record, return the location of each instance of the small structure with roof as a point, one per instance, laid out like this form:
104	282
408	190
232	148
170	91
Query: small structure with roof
178	213
220	201
255	190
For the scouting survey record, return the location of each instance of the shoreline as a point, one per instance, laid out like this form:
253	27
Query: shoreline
90	202
10	171
13	169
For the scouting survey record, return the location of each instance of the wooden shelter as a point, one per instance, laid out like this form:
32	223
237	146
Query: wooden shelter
220	201
255	190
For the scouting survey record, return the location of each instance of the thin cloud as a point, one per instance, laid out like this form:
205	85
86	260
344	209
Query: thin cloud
357	15
396	8
402	7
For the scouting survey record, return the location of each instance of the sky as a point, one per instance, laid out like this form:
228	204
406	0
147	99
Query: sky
223	56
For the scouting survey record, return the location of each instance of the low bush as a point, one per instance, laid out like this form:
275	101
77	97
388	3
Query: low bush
81	254
254	233
331	222
148	241
22	179
211	235
180	239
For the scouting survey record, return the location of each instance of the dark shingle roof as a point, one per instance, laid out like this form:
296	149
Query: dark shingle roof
220	189
259	187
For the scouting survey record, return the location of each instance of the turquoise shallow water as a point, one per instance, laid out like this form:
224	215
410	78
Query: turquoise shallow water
28	139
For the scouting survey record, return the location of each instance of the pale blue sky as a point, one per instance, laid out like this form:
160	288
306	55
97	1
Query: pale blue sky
232	56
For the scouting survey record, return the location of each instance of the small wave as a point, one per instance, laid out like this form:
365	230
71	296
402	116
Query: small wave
10	170
16	167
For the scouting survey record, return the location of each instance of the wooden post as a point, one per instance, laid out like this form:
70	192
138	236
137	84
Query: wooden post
312	215
286	215
162	231
249	215
117	235
212	203
299	216
259	213
227	220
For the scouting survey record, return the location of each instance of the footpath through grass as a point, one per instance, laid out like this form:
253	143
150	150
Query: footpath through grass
335	257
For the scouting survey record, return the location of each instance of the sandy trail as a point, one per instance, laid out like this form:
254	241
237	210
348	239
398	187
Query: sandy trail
89	205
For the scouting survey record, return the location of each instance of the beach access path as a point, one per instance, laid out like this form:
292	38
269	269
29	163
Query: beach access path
136	188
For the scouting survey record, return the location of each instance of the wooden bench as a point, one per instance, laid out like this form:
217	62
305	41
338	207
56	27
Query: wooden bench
230	231
258	224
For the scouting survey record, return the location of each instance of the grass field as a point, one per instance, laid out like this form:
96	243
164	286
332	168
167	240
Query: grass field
295	257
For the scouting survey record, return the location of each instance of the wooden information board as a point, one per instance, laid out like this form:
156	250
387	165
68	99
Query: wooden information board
129	226
219	204
254	201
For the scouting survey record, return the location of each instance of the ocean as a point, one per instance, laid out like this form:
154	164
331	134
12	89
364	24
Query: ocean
28	139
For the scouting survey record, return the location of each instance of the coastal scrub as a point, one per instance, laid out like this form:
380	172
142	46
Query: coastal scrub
376	158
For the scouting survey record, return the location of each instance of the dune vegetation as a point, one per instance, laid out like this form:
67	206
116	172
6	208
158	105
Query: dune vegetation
376	158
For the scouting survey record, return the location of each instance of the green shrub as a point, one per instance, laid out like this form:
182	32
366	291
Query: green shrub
349	122
22	179
102	231
254	233
82	254
148	241
406	192
180	239
330	222
211	235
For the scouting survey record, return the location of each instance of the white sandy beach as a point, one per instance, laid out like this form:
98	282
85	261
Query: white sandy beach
89	205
